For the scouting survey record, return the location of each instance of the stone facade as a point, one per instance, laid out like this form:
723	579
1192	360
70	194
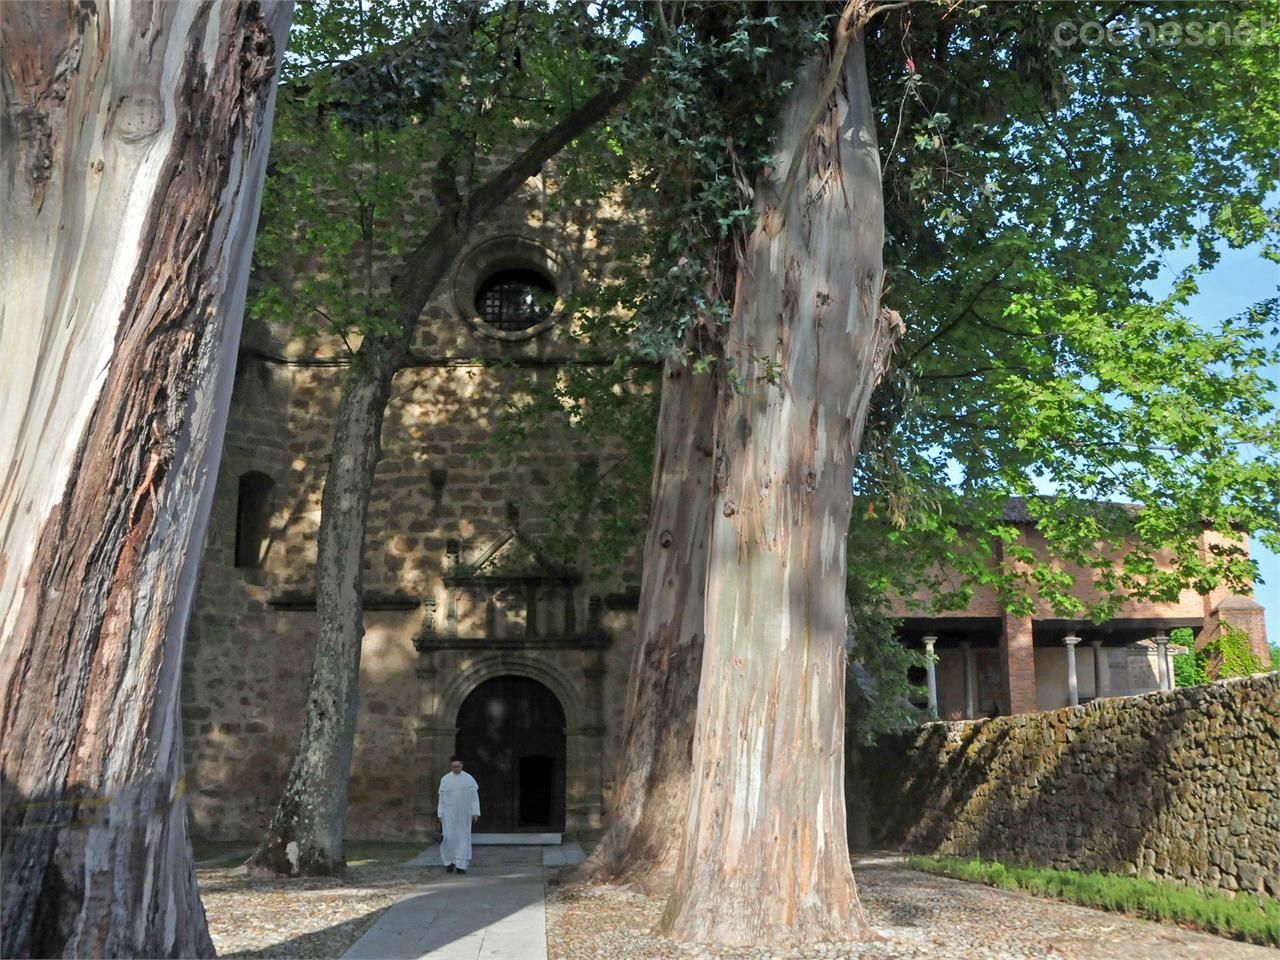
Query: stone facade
458	590
1181	785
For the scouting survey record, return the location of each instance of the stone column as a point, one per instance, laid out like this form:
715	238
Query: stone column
970	693
1162	661
931	673
1018	664
1099	685
1073	683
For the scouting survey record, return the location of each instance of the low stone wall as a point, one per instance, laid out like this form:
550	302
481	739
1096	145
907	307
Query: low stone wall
1183	785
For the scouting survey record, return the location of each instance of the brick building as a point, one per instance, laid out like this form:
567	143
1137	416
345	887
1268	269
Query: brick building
991	662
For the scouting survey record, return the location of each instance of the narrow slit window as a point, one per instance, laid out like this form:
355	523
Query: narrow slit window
253	518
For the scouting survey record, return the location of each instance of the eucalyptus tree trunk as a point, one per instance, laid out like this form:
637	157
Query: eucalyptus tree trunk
642	842
135	140
765	855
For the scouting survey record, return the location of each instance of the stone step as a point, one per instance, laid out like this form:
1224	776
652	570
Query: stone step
515	839
499	856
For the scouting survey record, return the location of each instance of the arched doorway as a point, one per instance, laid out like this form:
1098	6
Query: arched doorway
511	739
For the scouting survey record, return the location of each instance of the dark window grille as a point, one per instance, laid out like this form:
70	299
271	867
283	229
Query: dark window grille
514	300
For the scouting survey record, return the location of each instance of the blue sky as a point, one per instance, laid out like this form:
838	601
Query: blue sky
1240	279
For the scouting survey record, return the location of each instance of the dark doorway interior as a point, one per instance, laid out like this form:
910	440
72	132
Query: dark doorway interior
537	776
511	739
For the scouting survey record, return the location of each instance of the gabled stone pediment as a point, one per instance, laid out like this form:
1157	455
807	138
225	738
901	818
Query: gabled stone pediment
510	558
508	593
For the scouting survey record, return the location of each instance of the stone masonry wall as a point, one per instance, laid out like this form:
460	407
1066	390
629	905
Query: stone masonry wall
1180	785
441	479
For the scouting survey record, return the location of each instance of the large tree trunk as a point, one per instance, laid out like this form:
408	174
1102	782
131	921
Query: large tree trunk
135	143
642	842
305	835
765	856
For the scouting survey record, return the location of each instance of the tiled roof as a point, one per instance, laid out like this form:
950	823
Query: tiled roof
1018	509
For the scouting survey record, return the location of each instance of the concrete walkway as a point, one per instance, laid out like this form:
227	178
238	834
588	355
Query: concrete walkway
495	912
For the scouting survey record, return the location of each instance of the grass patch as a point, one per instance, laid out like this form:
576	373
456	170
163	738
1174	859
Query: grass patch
1243	917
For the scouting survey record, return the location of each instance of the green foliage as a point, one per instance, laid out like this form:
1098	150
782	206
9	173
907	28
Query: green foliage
697	142
879	665
1188	670
1031	193
335	206
685	151
1244	917
389	120
1228	654
393	118
604	415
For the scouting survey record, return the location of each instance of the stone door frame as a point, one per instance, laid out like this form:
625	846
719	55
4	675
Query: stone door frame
447	678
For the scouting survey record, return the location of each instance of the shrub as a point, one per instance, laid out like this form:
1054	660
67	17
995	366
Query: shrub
1228	654
1188	671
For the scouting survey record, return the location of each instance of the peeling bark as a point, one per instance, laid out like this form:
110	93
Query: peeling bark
643	840
765	855
136	139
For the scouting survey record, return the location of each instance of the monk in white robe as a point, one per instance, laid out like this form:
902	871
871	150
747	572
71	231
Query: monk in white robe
458	809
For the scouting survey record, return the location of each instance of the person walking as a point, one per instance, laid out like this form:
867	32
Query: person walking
457	810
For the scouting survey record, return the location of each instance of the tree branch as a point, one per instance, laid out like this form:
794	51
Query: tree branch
505	183
951	324
845	32
423	267
973	374
844	36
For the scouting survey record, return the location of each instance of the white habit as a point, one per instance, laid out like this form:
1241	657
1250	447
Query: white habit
459	802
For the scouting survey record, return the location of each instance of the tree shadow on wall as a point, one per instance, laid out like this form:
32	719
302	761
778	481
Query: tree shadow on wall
1091	799
1085	788
935	795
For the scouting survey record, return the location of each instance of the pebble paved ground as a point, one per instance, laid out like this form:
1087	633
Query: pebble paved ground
921	917
319	919
312	919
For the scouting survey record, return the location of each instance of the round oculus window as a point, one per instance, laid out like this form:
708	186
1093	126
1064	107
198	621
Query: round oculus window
515	300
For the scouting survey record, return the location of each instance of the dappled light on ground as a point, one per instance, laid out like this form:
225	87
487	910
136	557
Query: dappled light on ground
918	916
